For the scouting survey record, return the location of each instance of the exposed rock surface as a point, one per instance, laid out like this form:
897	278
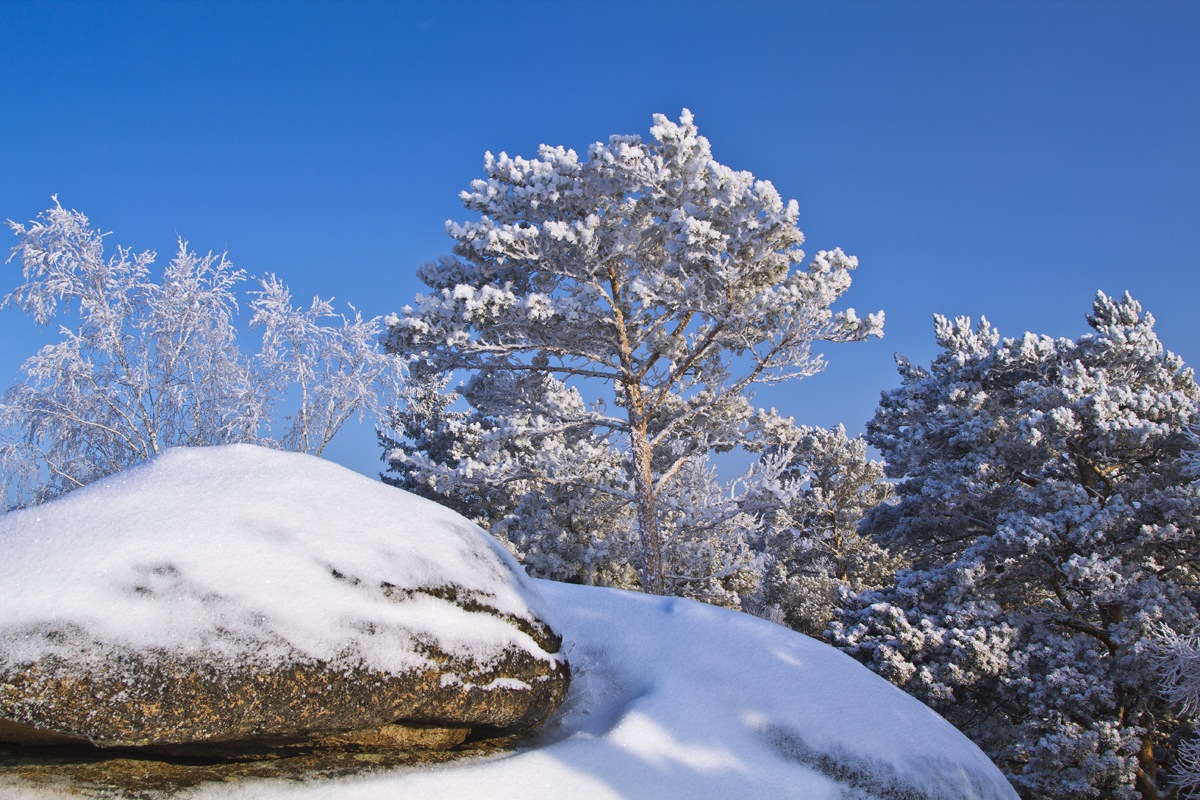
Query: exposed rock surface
64	772
238	598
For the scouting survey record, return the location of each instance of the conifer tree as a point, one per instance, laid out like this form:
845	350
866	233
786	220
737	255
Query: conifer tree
647	275
811	492
1046	504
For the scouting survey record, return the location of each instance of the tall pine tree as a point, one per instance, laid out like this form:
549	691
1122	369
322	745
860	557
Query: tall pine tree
649	276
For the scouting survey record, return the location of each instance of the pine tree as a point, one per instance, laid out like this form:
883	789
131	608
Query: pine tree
1045	504
811	494
649	275
535	484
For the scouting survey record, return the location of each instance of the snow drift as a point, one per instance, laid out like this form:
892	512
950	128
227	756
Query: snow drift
670	698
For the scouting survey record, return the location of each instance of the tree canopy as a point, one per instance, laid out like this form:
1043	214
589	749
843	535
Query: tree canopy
1045	501
648	276
145	362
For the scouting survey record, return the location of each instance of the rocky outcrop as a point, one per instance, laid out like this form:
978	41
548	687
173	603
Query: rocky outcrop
333	609
179	704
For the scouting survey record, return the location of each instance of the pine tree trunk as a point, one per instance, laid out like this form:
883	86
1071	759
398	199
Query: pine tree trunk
1147	771
646	507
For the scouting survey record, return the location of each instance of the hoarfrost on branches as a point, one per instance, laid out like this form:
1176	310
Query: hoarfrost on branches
1177	658
517	464
545	488
1045	503
648	274
144	364
811	491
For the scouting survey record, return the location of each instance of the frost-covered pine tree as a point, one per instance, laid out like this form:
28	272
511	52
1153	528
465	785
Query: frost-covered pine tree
1047	510
708	555
649	276
1178	662
811	492
514	462
542	488
145	363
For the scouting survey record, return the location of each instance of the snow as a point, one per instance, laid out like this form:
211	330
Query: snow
677	699
670	699
254	551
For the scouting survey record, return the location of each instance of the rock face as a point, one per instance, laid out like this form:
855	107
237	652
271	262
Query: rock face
238	597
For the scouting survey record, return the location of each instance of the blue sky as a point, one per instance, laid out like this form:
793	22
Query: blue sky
998	158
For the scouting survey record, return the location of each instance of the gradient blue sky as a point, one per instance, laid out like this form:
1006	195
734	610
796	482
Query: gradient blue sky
997	158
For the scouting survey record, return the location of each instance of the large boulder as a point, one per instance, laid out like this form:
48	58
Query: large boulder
240	596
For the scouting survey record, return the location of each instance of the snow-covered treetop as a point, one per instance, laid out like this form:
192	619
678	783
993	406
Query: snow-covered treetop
1046	501
668	280
641	263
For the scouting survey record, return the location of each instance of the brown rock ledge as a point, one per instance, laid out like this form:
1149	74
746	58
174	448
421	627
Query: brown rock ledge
84	771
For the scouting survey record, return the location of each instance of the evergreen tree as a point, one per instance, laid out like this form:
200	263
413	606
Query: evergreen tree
1045	504
661	280
811	494
538	485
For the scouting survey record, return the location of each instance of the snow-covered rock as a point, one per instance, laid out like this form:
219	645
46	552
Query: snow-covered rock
669	698
244	594
674	699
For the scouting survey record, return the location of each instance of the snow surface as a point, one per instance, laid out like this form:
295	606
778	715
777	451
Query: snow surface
232	551
674	699
670	698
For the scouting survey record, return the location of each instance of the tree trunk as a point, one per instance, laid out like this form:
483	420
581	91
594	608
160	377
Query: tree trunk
645	505
1147	770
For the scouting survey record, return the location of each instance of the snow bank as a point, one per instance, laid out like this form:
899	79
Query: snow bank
673	699
225	548
670	699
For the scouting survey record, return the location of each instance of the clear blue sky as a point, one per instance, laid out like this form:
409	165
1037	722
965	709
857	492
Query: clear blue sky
997	158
